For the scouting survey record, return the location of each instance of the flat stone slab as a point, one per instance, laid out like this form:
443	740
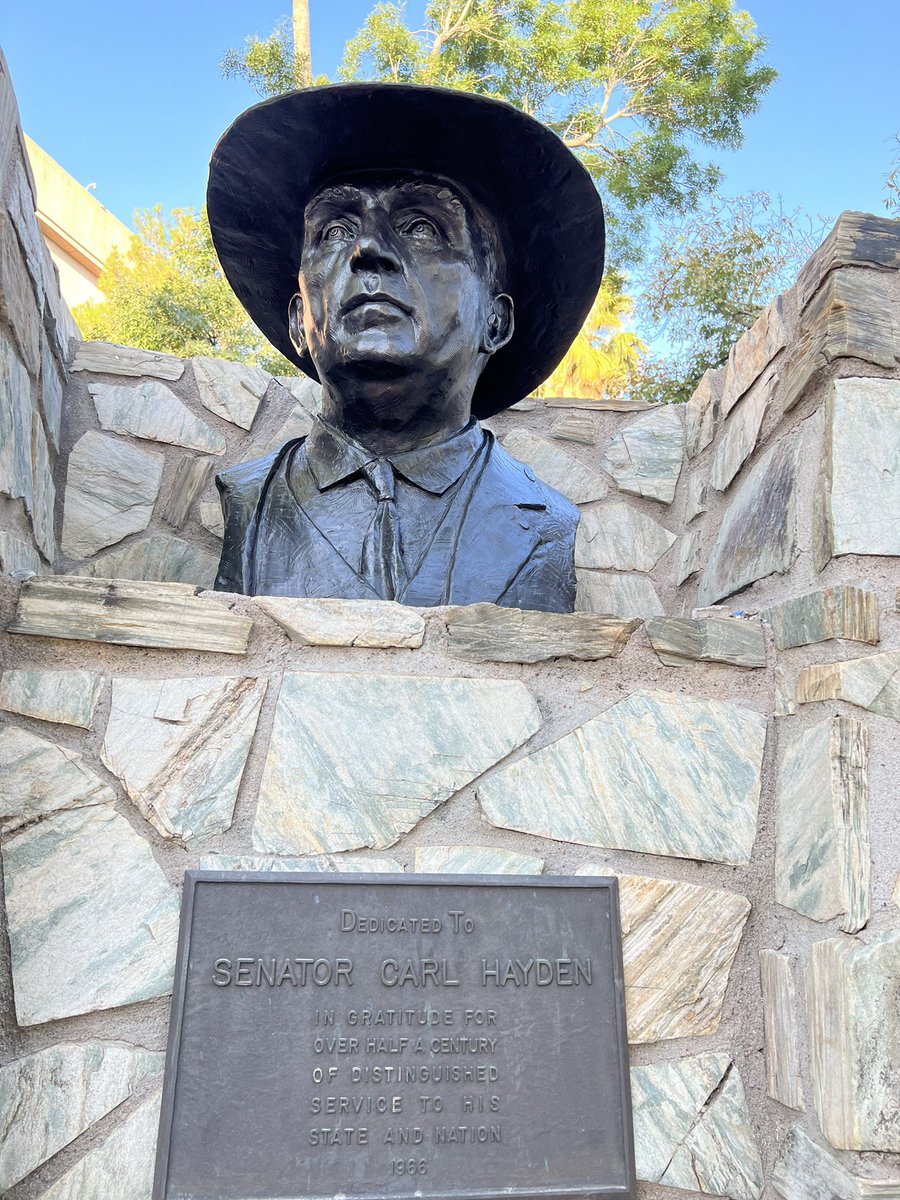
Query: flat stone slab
678	945
783	1080
656	773
688	559
740	435
487	633
129	613
160	558
752	353
854	1041
822	835
180	747
38	777
553	465
43	507
574	427
474	860
307	391
851	317
93	922
702	411
332	622
17	558
806	1171
111	488
230	390
189	481
48	1099
65	697
298	423
844	611
16	473
679	641
153	411
617	537
107	359
211	518
121	1168
627	596
328	864
758	536
357	759
692	1127
862	472
872	683
857	239
645	459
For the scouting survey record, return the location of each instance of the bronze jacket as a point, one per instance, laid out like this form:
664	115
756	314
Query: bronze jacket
504	536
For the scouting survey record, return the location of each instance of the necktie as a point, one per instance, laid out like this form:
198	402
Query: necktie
381	565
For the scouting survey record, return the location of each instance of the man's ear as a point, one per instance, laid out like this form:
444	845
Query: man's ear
295	323
500	324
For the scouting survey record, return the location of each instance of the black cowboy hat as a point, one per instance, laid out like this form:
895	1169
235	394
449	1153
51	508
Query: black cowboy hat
270	162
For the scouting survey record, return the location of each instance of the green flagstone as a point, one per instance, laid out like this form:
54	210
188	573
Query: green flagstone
180	746
854	1038
658	773
49	1098
645	458
93	921
66	697
358	759
822	836
38	777
872	683
121	1168
845	611
475	860
692	1127
325	863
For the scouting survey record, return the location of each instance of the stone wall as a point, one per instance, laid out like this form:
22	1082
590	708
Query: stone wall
35	328
717	726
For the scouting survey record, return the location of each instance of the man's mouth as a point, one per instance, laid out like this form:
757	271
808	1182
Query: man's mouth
380	298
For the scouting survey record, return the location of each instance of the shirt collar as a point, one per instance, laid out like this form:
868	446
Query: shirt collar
332	456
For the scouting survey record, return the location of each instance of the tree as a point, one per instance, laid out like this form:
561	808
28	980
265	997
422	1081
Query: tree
278	63
709	278
605	359
168	293
632	86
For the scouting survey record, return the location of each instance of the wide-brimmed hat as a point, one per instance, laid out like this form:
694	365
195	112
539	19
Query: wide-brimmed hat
276	155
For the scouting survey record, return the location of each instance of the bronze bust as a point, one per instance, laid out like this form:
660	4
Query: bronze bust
428	255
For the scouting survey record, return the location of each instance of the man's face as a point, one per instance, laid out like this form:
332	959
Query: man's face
392	281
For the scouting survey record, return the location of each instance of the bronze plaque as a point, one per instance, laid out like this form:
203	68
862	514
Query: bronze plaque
380	1036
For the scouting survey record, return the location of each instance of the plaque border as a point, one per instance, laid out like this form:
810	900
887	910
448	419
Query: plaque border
193	878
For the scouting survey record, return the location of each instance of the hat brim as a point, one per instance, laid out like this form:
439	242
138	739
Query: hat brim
276	155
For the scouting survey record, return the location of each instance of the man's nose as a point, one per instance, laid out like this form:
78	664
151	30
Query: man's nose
373	251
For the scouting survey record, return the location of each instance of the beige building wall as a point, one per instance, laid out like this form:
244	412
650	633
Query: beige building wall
80	233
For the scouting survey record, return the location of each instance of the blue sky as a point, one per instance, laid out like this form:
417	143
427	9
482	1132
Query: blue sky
130	97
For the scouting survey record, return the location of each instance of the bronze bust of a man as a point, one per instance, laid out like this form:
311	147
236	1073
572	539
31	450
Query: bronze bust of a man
428	256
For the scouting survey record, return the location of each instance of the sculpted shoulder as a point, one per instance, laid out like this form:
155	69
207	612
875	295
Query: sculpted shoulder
519	485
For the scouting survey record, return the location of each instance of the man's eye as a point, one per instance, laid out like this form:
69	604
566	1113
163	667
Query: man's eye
421	228
335	232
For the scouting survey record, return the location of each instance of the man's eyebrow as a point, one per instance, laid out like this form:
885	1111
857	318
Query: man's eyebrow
332	196
413	190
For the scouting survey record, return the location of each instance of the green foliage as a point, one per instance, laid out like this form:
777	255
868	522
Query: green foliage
634	87
710	277
266	64
169	294
605	358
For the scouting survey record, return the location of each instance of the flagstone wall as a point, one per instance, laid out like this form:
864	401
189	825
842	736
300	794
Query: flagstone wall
717	725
